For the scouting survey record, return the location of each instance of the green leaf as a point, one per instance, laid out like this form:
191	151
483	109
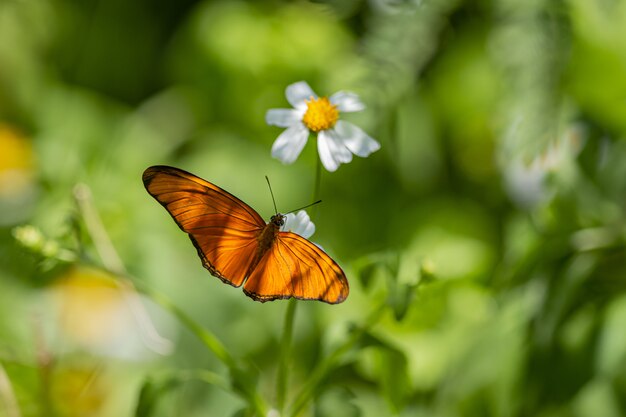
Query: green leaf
394	379
151	392
154	388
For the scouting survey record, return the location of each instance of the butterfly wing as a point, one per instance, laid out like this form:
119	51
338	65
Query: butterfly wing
223	228
295	267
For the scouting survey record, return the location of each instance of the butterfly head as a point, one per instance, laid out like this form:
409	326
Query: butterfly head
278	220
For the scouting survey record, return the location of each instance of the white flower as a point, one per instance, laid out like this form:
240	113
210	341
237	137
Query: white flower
299	223
337	140
527	181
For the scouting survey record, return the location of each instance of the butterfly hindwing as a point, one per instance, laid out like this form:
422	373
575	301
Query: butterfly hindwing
295	267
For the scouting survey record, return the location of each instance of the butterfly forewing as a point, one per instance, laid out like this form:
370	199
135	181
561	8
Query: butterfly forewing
227	234
223	228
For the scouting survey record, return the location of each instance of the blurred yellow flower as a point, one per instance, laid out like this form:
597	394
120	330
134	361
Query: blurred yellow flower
17	182
17	153
81	390
90	306
97	313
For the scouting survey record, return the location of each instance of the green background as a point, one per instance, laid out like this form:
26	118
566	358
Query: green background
484	242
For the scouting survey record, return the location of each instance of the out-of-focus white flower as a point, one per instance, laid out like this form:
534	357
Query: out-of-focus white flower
337	140
299	223
526	181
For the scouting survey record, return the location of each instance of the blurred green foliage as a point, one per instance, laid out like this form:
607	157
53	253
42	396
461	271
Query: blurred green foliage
484	243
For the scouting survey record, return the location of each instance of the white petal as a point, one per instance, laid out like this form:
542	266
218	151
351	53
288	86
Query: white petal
298	92
298	223
308	231
290	221
326	156
355	139
290	143
347	102
282	117
306	226
332	151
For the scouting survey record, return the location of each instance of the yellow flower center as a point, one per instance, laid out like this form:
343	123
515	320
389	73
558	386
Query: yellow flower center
320	114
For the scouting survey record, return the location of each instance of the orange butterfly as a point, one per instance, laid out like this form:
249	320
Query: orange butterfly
237	246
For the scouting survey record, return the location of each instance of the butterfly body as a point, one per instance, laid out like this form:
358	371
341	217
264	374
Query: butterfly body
266	239
268	236
237	246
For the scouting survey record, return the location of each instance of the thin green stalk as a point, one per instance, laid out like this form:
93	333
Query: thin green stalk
205	336
208	377
285	354
322	370
7	394
317	186
215	346
45	363
113	263
285	344
158	385
96	230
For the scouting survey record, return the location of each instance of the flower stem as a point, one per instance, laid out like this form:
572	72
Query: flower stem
239	379
45	363
98	234
330	362
7	394
113	263
285	343
285	354
206	337
317	186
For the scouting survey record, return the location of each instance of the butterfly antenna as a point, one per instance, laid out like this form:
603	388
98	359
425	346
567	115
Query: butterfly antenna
272	194
307	206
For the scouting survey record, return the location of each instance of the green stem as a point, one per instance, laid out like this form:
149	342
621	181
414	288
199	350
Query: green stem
203	375
327	365
317	186
285	344
285	354
113	263
219	350
7	394
96	230
45	362
205	336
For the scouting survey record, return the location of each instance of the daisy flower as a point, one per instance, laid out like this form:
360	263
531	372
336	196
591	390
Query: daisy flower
337	140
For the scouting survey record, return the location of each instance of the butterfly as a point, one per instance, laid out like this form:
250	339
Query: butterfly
238	247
